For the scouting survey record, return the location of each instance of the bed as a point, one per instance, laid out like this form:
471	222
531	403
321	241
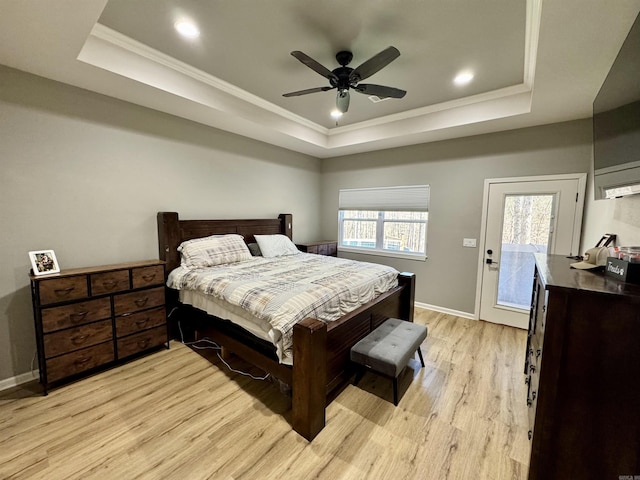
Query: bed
320	349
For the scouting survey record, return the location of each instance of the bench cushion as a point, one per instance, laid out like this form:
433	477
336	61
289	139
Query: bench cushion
389	347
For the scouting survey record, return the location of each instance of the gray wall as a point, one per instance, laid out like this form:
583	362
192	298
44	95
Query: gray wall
84	175
455	170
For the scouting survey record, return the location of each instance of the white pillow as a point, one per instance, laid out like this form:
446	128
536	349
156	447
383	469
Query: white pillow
212	251
276	246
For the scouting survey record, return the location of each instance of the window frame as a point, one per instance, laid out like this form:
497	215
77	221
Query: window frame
415	203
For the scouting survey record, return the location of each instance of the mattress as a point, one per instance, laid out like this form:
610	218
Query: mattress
221	309
267	296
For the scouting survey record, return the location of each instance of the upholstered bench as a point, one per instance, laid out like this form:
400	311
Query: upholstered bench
387	350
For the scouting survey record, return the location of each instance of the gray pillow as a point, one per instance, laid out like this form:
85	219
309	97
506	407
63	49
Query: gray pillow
254	248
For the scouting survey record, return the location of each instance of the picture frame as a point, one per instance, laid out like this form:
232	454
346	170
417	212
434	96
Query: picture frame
44	262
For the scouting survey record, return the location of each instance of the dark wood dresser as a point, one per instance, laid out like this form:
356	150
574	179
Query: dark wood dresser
329	248
583	372
89	317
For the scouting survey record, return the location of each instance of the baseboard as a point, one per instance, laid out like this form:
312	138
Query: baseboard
448	311
19	380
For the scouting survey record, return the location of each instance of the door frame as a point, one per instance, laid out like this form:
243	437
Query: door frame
577	222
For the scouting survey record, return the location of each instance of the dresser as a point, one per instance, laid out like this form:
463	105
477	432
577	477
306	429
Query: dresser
329	248
582	369
92	317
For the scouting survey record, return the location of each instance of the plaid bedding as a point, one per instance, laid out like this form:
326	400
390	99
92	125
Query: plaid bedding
284	290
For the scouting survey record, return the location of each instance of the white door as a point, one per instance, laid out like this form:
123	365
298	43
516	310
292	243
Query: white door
523	216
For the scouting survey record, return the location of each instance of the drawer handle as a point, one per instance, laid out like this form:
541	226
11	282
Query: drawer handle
64	291
109	284
144	343
141	302
534	395
82	361
530	434
149	277
79	340
538	353
532	368
529	402
77	317
142	322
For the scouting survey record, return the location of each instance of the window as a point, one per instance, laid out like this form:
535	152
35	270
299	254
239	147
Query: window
384	221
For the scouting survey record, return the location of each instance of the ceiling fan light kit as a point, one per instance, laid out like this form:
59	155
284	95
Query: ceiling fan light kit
344	78
342	100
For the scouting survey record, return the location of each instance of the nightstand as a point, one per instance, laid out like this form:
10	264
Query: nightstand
328	248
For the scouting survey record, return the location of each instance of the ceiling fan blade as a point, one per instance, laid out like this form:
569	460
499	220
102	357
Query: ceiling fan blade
307	91
314	65
374	64
379	90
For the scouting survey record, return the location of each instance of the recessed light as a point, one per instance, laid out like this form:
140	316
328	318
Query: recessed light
187	29
463	78
336	114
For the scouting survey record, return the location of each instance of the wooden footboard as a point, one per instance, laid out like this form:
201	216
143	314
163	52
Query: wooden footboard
321	351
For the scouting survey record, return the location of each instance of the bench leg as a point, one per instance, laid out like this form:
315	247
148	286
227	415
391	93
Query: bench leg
395	391
420	355
359	374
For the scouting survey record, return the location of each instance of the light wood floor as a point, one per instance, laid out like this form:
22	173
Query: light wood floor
177	415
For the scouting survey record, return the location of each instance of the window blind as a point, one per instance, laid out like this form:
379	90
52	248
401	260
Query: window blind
400	199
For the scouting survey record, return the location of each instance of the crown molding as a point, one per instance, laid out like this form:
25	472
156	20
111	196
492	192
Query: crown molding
113	37
238	111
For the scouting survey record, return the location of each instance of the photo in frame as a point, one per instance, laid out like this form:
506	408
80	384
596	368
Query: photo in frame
44	262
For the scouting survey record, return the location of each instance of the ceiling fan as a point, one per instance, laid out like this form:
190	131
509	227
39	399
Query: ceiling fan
344	78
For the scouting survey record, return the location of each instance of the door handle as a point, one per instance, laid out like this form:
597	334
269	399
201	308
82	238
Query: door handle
488	261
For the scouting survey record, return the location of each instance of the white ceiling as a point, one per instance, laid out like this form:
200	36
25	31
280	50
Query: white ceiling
535	62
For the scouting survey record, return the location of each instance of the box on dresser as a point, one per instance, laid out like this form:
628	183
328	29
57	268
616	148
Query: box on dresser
92	317
582	366
623	270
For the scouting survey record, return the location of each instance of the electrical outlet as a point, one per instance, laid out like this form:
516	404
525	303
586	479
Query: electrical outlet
469	242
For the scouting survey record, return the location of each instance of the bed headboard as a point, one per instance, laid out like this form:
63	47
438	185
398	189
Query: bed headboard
172	232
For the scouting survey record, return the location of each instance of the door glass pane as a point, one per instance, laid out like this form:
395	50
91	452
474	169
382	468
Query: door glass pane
526	229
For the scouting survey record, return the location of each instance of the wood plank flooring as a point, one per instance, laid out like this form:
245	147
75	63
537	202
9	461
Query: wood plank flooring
179	414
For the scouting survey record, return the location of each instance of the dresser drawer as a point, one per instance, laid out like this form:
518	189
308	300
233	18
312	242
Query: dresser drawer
66	341
109	282
147	276
141	341
63	289
532	398
135	301
136	322
57	318
79	361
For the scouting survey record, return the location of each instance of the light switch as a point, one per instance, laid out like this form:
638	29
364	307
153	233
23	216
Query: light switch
468	242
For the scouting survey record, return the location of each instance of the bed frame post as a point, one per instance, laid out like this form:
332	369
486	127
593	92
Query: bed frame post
408	295
168	235
309	389
286	220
